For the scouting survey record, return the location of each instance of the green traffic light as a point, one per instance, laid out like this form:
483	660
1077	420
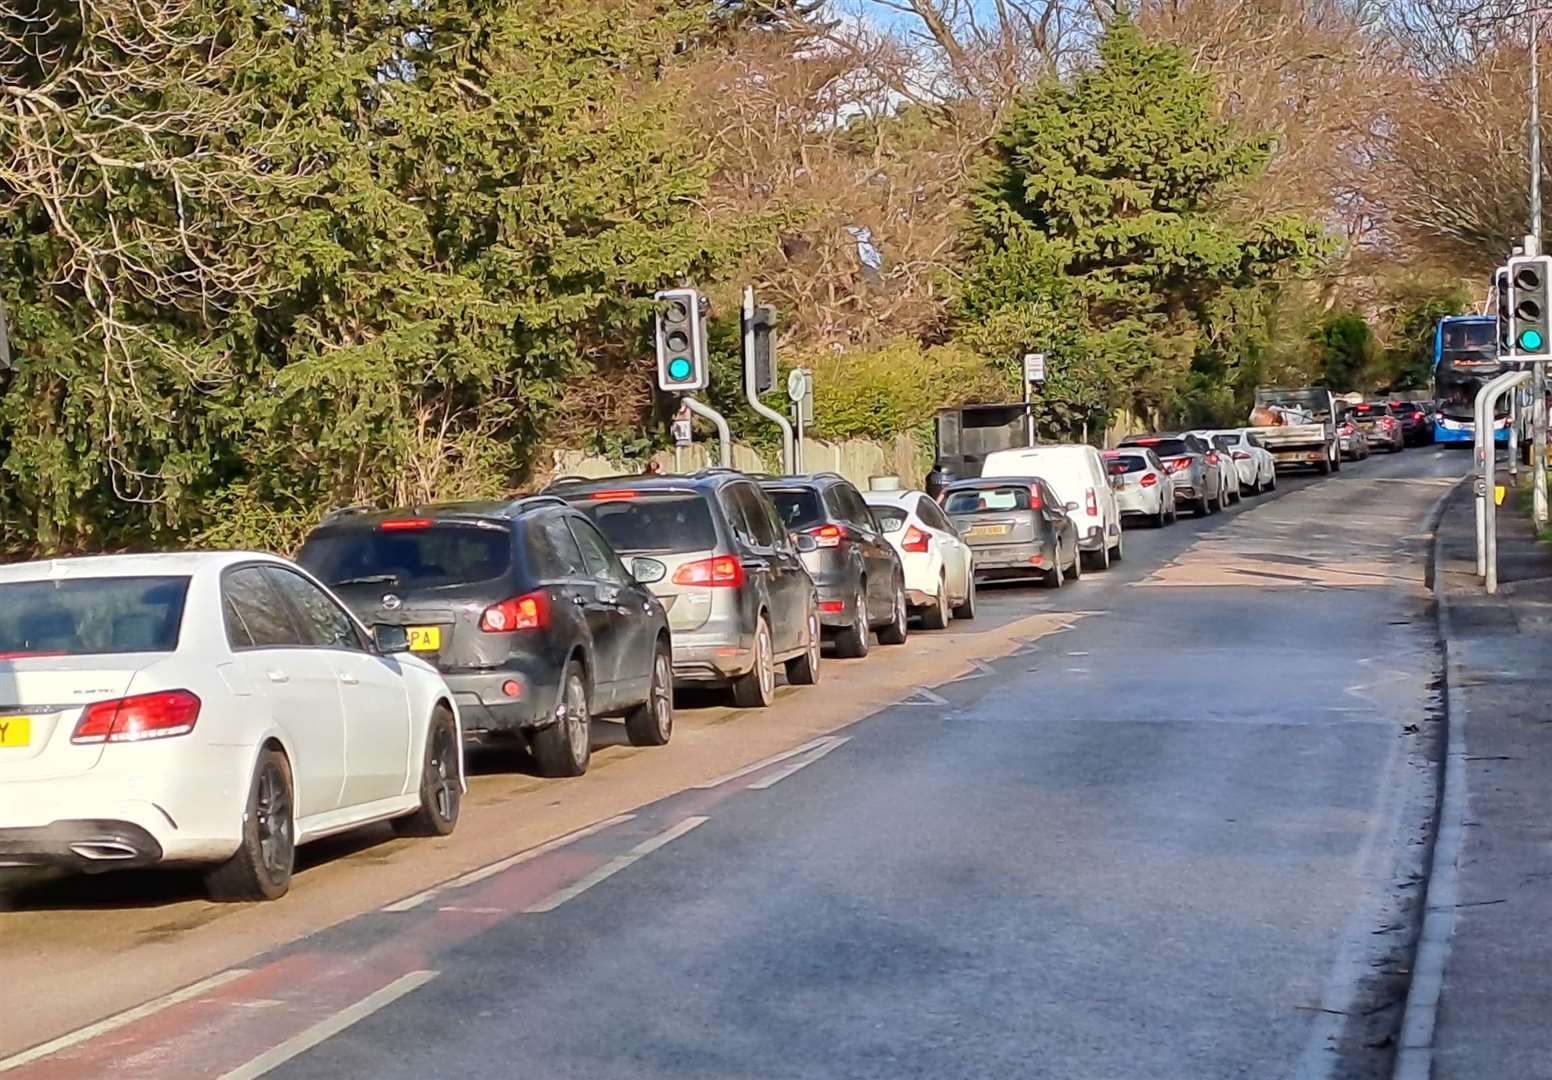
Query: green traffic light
679	369
1531	340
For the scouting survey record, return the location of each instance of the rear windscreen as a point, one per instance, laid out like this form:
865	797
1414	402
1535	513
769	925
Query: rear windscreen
798	507
1225	442
1169	447
668	524
445	554
987	500
1122	464
891	519
88	616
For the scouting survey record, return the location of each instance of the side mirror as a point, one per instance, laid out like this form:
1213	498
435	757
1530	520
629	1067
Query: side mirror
646	571
1070	507
805	543
391	639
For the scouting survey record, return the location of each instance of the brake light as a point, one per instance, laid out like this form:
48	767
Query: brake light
915	540
1345	429
528	612
1179	464
1240	455
404	524
139	718
719	571
612	495
1149	479
1212	457
1090	502
828	536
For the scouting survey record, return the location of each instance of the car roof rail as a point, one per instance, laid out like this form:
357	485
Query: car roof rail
346	511
532	502
721	470
560	480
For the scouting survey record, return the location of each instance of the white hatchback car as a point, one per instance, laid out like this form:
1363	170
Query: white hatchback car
1254	464
939	566
1080	477
207	709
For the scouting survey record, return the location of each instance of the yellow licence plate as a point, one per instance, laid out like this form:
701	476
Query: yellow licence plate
15	730
989	530
425	638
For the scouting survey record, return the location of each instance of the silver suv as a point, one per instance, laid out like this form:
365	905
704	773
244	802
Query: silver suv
712	548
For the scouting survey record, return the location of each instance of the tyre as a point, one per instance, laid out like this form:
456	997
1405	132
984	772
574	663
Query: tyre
756	688
1074	568
1271	483
1203	507
1098	560
1054	578
1324	466
565	747
804	670
652	722
853	642
1120	549
1160	519
936	615
1336	466
898	627
965	609
441	781
261	867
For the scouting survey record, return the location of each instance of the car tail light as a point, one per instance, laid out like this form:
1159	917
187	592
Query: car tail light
1212	457
828	536
1179	464
1035	502
832	607
1090	502
528	612
139	718
404	524
1240	455
1345	429
915	540
719	571
1149	479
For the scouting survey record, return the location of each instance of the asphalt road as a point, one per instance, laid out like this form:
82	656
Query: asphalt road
1173	830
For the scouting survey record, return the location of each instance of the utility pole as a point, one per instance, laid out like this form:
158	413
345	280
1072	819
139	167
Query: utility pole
1538	405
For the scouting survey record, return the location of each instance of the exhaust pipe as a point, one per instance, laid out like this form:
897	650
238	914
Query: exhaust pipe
103	850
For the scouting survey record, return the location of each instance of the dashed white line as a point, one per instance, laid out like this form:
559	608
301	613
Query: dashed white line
409	903
781	774
614	866
764	763
118	1020
328	1028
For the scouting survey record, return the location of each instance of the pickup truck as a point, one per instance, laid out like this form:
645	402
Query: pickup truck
1299	428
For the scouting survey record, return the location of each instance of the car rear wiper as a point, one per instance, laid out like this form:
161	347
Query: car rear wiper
370	579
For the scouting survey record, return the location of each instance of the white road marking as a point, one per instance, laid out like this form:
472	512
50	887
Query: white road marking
781	774
764	763
118	1020
982	669
409	903
330	1027
925	696
614	866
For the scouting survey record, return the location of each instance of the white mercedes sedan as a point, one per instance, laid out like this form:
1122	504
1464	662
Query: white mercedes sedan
208	709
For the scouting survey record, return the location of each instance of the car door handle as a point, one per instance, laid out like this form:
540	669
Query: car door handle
278	676
349	679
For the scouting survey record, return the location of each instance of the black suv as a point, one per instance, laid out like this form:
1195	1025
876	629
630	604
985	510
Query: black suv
529	614
861	583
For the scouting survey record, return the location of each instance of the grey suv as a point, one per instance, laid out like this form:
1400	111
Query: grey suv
712	549
861	583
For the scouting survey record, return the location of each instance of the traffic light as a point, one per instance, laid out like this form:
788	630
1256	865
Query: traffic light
1505	311
1529	278
681	342
764	326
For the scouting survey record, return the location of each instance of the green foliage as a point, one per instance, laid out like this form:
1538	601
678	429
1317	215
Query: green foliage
1101	231
1347	351
880	392
1417	308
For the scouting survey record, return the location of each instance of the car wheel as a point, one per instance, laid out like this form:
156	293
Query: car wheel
1054	577
564	748
1324	467
757	688
1203	507
936	615
1120	549
1161	519
853	642
965	609
261	868
1271	481
898	627
652	722
804	670
441	783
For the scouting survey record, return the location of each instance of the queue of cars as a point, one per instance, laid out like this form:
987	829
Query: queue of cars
217	710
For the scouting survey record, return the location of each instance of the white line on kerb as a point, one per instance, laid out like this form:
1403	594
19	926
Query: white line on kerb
118	1020
781	774
763	763
411	902
328	1028
614	866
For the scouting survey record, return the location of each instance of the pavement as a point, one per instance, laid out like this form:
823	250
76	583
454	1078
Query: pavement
1170	821
1493	898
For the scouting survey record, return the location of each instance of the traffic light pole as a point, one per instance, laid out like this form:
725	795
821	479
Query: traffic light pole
1538	383
789	463
724	435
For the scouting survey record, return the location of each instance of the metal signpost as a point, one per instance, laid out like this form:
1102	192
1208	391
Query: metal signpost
683	436
1487	477
1034	375
800	391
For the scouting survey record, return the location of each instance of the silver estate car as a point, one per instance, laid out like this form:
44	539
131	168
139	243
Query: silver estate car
712	548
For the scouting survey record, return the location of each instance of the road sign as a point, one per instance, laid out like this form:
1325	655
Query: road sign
681	432
800	384
1034	367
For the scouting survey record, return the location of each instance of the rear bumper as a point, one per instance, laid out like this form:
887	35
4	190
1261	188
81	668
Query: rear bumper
716	660
82	846
1139	502
487	709
1013	560
837	602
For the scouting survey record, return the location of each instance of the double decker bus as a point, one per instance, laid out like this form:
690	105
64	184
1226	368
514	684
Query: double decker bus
1465	357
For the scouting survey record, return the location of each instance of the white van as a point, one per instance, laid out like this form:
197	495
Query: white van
1078	475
